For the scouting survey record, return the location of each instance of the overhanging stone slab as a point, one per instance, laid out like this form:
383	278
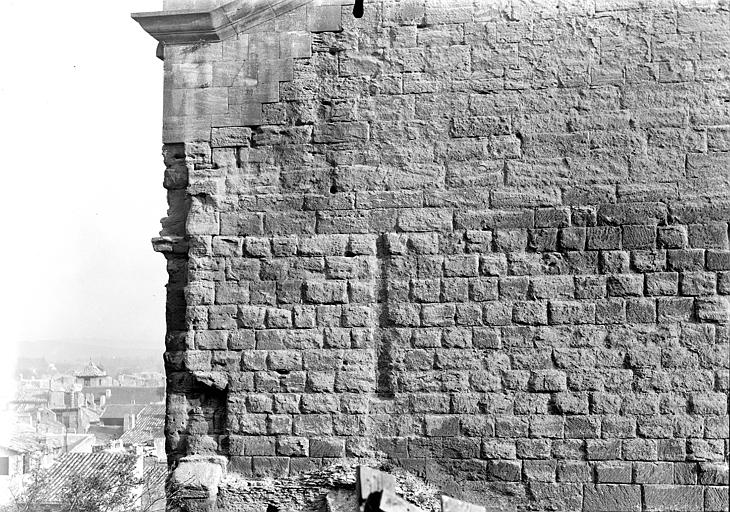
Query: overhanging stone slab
195	25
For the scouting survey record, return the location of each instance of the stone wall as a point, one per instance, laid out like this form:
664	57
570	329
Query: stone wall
487	241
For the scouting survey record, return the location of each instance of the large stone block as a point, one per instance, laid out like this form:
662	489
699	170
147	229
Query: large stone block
453	505
673	497
716	499
611	498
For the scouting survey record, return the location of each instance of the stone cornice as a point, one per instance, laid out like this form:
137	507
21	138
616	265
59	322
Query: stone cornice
195	25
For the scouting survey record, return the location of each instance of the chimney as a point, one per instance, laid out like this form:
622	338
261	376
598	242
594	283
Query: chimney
160	448
130	420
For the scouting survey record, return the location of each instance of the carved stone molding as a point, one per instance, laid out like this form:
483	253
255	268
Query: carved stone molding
217	24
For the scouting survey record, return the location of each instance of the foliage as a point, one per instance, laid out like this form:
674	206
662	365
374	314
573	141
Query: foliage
30	498
111	489
114	488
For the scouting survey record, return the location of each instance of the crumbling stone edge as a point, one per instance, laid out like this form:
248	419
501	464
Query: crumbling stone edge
376	491
195	482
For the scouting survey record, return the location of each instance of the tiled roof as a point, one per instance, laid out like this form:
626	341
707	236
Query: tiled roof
25	407
155	474
154	410
105	434
153	492
150	425
67	441
31	396
121	410
91	370
24	442
103	464
128	395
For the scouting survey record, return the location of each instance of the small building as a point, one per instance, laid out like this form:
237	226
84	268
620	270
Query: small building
45	421
58	444
30	398
148	431
19	455
101	396
121	415
142	379
60	398
92	375
54	410
104	437
76	419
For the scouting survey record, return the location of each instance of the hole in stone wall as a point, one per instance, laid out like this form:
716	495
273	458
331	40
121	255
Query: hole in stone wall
521	138
207	415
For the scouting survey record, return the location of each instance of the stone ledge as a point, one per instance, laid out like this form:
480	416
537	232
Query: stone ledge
170	244
195	25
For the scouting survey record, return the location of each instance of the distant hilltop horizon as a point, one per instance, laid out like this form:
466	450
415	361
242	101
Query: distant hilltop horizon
67	350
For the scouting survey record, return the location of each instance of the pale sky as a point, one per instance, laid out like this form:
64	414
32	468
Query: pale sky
81	115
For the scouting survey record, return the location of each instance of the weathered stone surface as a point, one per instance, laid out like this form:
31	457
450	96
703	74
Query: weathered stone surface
486	238
716	498
614	473
371	480
198	478
610	497
673	497
449	504
341	501
391	502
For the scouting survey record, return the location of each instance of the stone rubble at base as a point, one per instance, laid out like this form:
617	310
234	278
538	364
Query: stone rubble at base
376	492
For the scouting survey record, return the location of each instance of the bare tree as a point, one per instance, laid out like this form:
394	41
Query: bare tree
27	498
112	488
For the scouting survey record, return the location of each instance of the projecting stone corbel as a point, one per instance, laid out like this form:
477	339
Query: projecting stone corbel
186	26
214	380
170	244
212	24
